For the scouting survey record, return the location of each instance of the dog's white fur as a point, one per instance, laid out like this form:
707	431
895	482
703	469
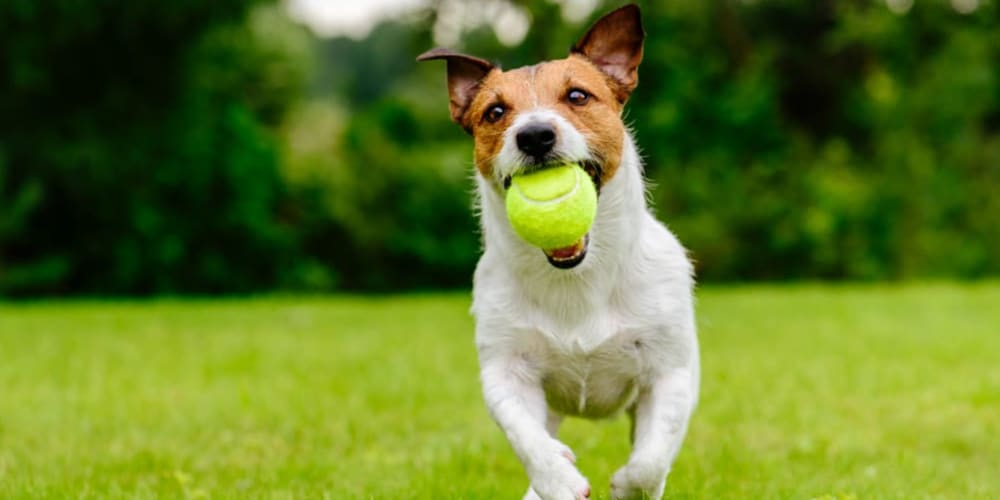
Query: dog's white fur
616	332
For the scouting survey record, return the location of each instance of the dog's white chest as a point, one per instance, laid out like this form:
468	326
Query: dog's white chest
593	382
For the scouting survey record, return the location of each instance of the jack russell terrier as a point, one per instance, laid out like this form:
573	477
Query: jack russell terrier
607	326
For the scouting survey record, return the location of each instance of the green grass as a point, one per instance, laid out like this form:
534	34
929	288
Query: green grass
808	391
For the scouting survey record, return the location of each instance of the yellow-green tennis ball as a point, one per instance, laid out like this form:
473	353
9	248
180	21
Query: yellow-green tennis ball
552	208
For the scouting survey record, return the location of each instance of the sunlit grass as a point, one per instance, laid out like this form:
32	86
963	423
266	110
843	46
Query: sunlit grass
808	391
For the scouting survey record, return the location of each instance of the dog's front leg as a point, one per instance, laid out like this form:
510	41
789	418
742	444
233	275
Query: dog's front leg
514	396
660	421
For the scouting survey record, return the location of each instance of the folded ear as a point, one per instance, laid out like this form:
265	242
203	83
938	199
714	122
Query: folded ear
464	74
614	44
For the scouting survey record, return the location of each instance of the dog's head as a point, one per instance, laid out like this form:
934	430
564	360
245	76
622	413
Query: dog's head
552	112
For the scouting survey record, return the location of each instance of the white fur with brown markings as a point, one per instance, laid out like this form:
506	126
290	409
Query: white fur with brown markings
615	332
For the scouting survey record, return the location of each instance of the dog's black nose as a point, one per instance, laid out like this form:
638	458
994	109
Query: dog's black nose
536	139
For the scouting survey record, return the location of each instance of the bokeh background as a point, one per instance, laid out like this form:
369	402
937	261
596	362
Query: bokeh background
240	146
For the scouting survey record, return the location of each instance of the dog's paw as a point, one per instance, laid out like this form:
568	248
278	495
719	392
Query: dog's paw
639	480
564	451
531	495
555	478
559	489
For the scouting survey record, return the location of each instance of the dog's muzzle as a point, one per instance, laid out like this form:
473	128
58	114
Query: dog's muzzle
569	257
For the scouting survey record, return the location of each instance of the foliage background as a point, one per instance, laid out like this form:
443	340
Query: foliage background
210	147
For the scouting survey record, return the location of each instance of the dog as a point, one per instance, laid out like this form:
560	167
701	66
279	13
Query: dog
598	328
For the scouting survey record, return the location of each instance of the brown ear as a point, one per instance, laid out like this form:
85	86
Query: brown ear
464	74
614	44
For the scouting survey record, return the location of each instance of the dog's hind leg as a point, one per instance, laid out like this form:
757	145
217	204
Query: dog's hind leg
659	423
631	422
552	422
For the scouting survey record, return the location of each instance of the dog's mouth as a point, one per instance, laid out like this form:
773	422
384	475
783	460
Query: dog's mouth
593	168
568	257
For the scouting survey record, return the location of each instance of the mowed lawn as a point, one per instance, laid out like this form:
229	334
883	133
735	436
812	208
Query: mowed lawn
808	392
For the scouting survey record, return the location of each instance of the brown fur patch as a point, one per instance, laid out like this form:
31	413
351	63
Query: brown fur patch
547	85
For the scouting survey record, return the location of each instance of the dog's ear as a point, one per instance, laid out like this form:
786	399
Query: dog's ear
464	74
614	44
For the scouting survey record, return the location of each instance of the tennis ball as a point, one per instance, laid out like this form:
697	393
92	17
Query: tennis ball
552	208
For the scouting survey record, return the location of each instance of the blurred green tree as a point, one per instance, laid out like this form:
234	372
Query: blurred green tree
135	151
217	147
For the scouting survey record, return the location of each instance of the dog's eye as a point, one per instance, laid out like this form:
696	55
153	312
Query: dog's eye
495	113
577	97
